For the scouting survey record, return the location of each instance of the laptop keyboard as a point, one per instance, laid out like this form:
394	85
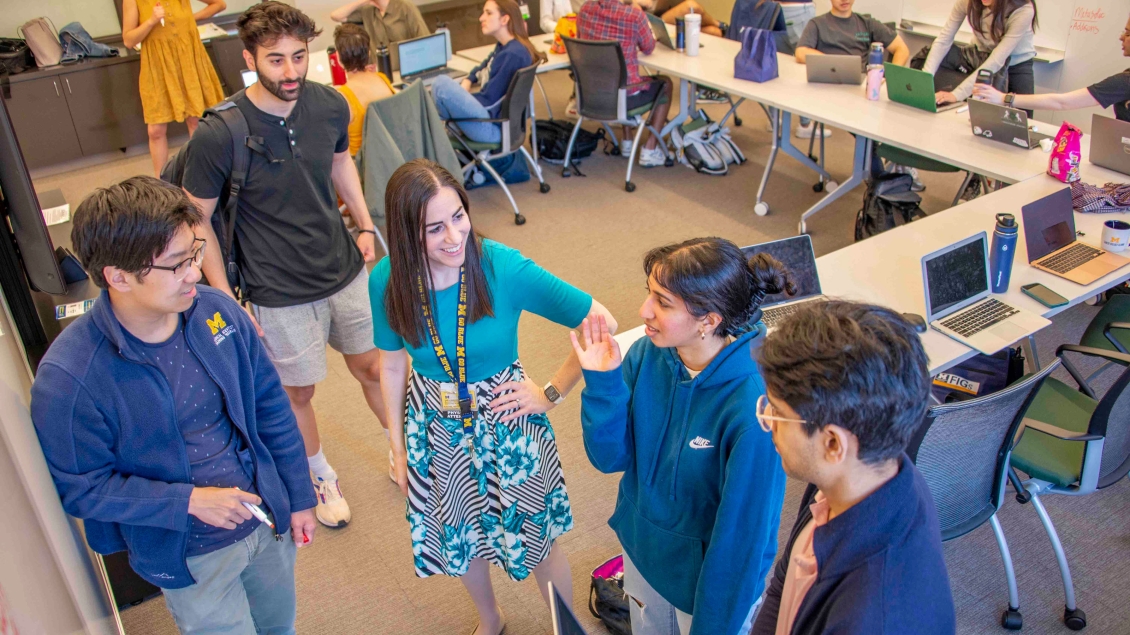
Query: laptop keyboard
772	316
433	73
1071	258
979	318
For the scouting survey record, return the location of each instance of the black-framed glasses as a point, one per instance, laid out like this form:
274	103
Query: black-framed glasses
180	270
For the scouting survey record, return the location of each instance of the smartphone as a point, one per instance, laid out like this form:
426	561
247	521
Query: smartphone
984	77
1044	295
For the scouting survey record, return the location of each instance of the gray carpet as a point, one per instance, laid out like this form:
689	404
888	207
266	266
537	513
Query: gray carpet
592	233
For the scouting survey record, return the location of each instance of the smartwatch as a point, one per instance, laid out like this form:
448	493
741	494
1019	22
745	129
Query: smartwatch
1008	99
552	394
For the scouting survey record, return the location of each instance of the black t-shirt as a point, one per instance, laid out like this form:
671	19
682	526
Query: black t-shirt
293	245
1114	91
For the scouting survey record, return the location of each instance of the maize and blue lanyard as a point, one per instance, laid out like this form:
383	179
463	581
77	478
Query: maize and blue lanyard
460	346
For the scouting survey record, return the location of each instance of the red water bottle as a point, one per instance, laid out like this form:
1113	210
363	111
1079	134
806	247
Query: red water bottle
337	71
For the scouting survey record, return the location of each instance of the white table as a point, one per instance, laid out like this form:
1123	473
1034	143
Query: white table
554	62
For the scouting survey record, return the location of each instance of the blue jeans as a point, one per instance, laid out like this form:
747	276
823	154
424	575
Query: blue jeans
453	102
244	589
657	616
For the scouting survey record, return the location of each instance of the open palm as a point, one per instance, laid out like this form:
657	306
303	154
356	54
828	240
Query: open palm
600	351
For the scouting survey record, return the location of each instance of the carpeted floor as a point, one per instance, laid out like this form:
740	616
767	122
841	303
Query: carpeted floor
592	233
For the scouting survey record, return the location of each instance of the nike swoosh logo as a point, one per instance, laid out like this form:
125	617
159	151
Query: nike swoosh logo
700	444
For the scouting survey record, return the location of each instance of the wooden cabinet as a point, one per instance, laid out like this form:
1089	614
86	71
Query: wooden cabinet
42	120
105	107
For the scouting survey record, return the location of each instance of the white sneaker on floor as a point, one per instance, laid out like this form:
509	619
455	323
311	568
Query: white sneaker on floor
571	109
332	510
652	158
626	147
805	132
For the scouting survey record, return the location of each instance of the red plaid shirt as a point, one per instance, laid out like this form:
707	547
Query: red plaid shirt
611	20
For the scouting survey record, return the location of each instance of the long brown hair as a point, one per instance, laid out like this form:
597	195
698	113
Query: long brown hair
408	193
1001	10
517	27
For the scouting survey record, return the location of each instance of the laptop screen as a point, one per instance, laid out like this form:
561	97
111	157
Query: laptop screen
422	54
1049	224
566	622
797	256
659	30
957	275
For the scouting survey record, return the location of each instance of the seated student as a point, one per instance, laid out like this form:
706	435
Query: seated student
160	416
363	84
625	22
846	386
386	21
1112	91
554	10
669	10
502	20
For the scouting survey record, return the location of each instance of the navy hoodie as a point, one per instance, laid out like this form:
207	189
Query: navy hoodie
879	567
504	62
108	427
700	500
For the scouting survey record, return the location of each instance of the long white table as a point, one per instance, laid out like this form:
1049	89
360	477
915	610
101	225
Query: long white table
554	62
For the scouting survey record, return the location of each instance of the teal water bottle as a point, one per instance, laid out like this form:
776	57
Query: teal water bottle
1000	254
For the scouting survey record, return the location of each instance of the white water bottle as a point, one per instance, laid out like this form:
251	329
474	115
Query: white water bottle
694	27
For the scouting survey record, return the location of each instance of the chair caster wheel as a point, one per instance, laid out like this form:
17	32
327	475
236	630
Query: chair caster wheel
629	186
761	209
1075	620
801	229
1012	620
831	186
818	187
519	219
737	121
668	162
566	173
616	151
544	188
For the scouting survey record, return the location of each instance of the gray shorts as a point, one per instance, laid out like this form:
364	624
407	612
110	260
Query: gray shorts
296	336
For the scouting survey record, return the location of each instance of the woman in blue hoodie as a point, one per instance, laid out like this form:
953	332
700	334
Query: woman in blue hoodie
700	500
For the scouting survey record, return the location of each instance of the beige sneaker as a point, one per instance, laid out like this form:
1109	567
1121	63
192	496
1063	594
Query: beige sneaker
332	510
391	468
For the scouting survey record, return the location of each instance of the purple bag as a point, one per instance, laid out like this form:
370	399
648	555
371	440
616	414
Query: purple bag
757	61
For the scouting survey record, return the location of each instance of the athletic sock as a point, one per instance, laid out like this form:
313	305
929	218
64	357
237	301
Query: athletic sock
320	467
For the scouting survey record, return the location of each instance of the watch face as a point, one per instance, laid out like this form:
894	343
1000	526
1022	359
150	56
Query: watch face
551	393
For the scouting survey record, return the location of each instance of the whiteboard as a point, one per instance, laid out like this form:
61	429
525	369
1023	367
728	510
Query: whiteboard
1093	51
1054	18
98	17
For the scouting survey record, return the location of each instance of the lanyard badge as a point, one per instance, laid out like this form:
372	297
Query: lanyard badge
458	374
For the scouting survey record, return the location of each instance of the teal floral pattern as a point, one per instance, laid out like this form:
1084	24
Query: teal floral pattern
416	439
557	517
457	544
505	537
419	533
518	455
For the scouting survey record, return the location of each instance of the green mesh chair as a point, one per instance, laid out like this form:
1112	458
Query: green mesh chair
1073	442
917	161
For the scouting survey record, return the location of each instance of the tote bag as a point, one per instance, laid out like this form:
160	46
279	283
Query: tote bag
43	39
757	61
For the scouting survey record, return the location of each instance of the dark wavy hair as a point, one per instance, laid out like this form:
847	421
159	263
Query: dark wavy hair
264	23
1001	11
712	275
352	44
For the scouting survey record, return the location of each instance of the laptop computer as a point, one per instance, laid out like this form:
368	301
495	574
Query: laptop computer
834	69
1110	143
565	622
659	30
800	261
956	279
913	88
318	69
425	58
1006	125
1049	233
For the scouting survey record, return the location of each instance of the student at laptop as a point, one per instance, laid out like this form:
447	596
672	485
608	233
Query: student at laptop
670	10
700	500
363	84
625	22
1112	91
1003	27
846	386
386	21
502	20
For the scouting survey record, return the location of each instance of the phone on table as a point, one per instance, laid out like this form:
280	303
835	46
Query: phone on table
984	77
1044	295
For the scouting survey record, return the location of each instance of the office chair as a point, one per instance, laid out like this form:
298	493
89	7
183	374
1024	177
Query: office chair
962	450
513	123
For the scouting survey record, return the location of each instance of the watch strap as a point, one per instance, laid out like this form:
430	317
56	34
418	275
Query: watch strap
1009	99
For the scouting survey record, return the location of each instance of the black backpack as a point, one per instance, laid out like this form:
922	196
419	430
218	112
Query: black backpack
553	139
887	203
960	62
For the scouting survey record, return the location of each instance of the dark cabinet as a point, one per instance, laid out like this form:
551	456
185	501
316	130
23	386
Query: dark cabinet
43	121
105	107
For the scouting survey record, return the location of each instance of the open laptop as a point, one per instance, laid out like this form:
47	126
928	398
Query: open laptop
1049	233
318	69
800	261
1006	125
659	30
425	58
1110	143
565	622
834	69
913	88
956	279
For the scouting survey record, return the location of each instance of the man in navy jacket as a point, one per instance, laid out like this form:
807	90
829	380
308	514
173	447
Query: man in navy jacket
846	388
165	426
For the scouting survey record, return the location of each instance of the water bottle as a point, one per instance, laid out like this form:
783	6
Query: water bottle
337	71
680	34
694	27
874	71
1000	254
384	62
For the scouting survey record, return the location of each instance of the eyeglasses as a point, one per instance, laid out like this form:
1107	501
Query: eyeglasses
181	269
767	421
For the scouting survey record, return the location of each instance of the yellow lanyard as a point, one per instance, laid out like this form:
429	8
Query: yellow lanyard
460	346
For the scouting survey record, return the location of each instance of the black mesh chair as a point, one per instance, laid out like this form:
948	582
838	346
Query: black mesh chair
962	451
513	109
601	77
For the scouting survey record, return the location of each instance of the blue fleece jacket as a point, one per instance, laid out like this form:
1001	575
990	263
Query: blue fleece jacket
504	62
108	427
700	500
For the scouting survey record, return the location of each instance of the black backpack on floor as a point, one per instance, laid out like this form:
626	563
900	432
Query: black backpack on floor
553	140
887	203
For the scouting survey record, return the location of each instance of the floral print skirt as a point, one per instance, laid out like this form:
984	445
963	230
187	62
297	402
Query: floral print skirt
498	494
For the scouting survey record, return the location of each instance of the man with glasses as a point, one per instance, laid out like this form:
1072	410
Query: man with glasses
846	387
165	426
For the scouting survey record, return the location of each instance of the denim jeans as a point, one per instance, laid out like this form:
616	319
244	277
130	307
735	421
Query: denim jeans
453	102
244	589
657	616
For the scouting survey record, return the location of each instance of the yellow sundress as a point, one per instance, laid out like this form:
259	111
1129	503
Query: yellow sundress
177	77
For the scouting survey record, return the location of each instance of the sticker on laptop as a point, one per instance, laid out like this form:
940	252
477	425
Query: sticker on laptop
74	309
1023	143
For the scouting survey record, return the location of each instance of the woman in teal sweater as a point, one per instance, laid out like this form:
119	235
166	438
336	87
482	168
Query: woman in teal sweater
700	500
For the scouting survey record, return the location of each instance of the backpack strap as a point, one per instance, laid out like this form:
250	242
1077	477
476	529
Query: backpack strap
242	147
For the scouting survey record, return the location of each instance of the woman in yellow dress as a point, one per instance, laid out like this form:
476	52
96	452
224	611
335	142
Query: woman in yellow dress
177	79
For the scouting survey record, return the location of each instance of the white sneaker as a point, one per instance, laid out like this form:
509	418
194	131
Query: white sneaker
805	132
391	468
332	509
652	158
626	147
571	109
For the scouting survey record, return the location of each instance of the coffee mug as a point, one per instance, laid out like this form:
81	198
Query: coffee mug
1115	235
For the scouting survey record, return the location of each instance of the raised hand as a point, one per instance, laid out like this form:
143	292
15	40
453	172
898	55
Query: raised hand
600	351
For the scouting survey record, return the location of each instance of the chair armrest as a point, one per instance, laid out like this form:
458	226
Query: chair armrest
1115	325
1095	352
1058	432
473	120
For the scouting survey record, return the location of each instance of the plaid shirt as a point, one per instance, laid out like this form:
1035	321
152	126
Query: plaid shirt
611	20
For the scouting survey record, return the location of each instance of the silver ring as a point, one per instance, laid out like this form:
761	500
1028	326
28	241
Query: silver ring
518	401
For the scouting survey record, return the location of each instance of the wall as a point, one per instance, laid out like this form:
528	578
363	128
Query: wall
98	17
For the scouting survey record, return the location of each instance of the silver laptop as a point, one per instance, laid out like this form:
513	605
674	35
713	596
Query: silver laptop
659	30
1006	125
425	58
956	279
565	622
800	261
834	69
1110	143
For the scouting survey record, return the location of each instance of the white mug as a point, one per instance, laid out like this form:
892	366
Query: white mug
1115	235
